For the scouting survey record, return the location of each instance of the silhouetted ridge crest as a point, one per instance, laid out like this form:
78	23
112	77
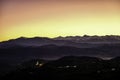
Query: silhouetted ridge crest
80	58
74	61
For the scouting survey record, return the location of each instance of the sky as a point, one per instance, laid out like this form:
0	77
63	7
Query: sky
52	18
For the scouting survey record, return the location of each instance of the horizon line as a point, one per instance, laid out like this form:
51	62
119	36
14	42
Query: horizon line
85	35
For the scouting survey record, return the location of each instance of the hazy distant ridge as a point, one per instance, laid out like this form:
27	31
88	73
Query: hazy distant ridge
74	41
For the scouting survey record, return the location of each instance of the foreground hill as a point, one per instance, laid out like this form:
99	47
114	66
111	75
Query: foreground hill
69	68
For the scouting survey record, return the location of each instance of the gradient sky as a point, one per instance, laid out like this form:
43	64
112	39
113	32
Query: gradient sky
52	18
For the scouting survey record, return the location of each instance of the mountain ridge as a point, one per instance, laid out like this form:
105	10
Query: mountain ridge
117	37
75	41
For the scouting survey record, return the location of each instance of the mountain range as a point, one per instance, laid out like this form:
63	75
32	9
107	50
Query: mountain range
74	41
16	51
43	47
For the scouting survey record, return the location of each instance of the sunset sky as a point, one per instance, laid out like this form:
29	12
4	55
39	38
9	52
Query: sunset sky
52	18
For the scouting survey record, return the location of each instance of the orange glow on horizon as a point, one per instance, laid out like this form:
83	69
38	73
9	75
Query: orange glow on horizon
59	18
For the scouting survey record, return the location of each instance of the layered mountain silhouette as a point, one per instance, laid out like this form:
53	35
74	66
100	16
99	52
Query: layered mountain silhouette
15	51
74	41
41	47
